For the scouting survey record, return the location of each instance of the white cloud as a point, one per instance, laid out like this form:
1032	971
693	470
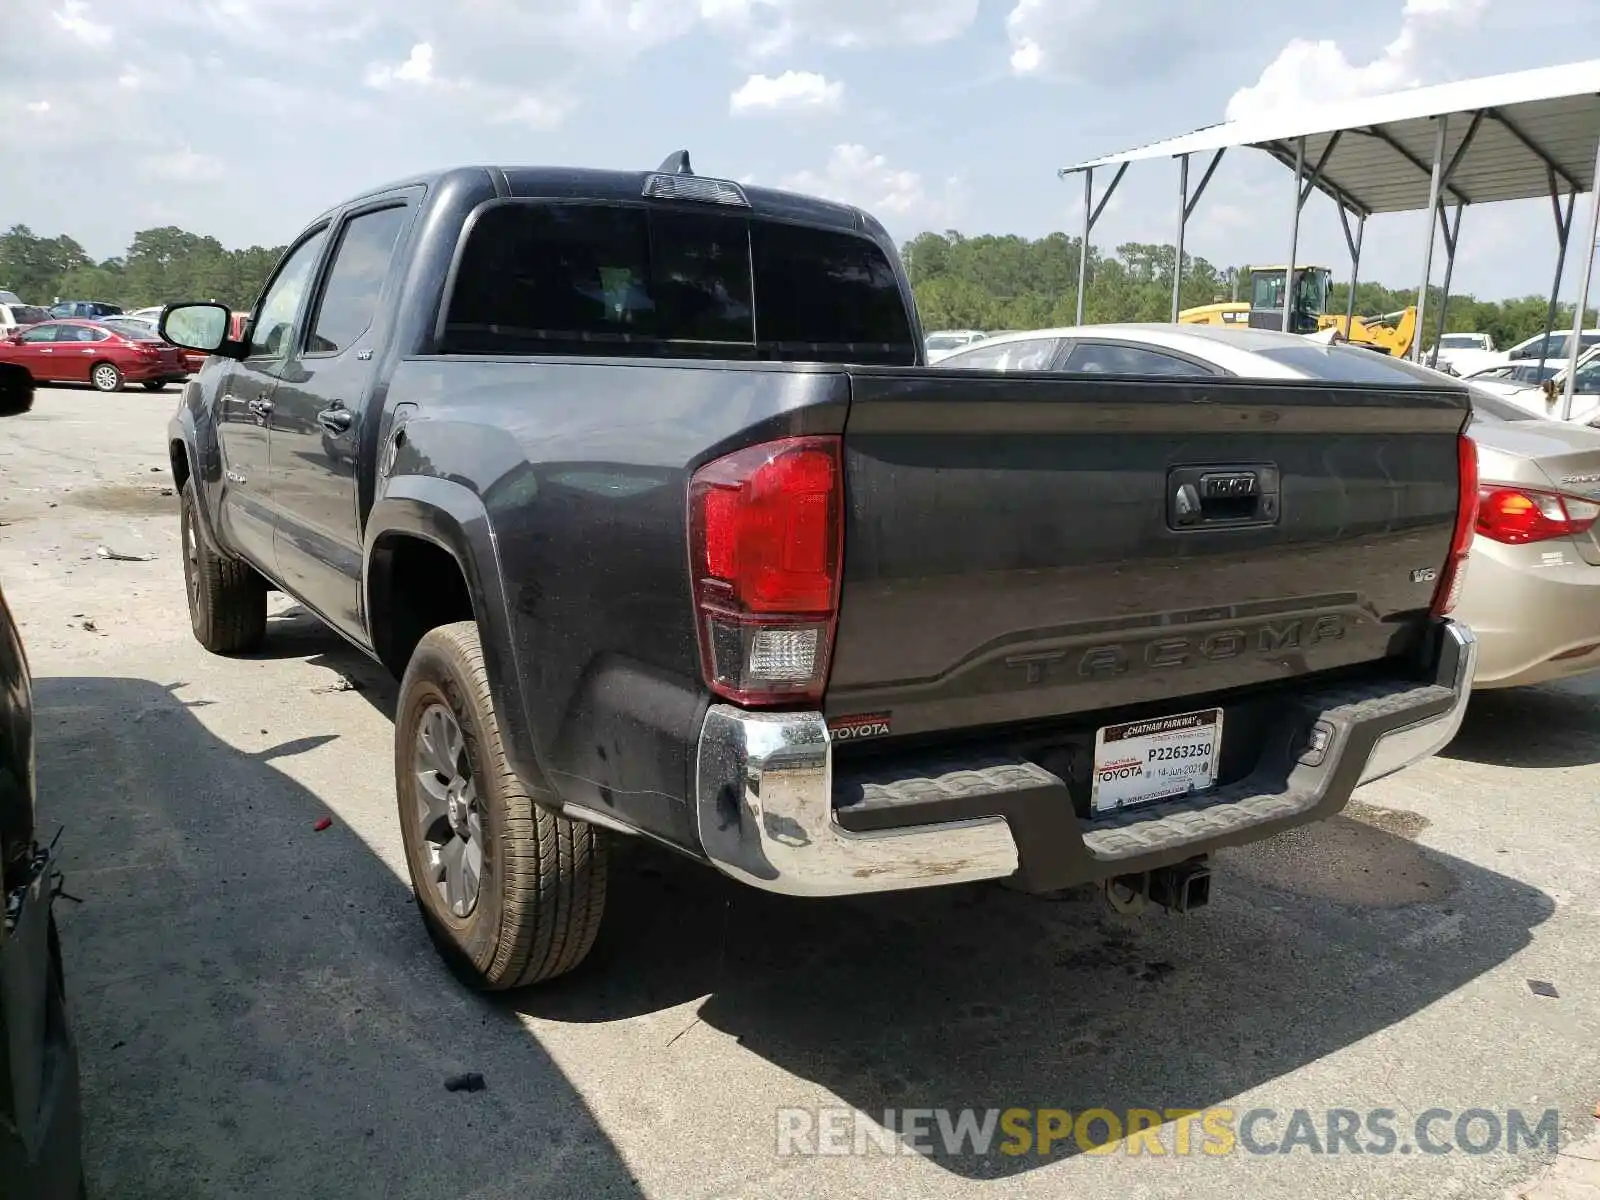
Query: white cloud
793	91
899	198
37	106
1095	39
74	16
182	166
130	78
540	113
417	69
771	26
1307	72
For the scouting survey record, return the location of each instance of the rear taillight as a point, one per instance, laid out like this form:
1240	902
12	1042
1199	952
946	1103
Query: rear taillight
1448	591
1516	515
765	547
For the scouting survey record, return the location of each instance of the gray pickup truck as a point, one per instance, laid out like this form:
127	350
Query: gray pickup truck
639	483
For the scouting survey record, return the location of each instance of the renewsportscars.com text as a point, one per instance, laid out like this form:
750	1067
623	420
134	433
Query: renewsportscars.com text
1179	1132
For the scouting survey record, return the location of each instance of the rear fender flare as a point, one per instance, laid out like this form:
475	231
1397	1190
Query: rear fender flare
453	517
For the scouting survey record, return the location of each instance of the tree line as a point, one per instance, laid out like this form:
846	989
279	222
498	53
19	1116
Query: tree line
160	266
988	282
1006	282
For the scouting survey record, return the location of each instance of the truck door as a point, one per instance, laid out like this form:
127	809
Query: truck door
245	403
320	409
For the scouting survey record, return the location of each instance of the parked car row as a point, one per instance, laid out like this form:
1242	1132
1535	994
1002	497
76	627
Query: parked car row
1532	590
107	353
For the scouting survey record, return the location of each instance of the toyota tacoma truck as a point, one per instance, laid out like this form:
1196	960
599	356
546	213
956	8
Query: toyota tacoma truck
639	483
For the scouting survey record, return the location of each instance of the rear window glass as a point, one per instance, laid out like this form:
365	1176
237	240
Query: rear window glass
136	331
1341	364
605	279
823	295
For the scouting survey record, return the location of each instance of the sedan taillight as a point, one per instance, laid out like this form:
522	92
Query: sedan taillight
1518	515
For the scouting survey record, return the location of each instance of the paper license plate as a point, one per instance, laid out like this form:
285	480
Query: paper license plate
1141	761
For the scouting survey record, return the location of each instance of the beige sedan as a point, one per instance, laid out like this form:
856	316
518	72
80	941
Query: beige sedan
1532	592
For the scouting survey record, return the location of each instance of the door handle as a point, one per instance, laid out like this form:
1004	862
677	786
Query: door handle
336	418
260	407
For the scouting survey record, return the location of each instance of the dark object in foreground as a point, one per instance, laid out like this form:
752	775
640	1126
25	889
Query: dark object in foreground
40	1113
469	1082
1540	988
640	483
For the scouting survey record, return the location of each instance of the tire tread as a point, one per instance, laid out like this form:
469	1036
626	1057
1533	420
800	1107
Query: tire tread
553	868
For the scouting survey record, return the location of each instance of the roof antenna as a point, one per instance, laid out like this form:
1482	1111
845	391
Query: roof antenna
676	163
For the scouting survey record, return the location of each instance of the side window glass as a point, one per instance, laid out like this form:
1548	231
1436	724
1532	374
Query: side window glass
272	333
1112	359
360	266
988	359
1032	355
41	333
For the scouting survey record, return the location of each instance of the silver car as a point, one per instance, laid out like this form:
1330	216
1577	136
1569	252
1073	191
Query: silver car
1532	590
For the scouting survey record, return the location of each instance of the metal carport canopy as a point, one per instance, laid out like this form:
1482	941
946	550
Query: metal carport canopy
1535	119
1476	141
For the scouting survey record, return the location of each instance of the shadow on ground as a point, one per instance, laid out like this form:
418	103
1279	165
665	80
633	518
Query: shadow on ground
1549	726
978	997
258	1010
971	997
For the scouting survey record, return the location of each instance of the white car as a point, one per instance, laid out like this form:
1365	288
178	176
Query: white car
151	315
943	341
1515	382
1464	353
1553	351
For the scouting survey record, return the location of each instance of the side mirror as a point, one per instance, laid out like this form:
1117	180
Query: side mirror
202	327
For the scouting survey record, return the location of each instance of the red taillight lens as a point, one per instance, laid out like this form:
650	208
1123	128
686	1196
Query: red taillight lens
1516	515
1448	592
766	546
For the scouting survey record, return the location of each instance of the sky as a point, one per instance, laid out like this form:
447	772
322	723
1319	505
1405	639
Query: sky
243	119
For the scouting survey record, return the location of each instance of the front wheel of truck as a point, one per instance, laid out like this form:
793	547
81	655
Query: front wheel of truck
511	892
227	597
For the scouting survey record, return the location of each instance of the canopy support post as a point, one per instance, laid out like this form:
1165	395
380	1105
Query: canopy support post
1449	233
1294	233
1183	221
1354	245
1434	188
1091	214
1186	203
1574	348
1563	233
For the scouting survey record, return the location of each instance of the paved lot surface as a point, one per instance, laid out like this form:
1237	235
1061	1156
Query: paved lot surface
260	1013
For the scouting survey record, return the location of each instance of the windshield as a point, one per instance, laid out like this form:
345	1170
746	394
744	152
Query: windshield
1346	364
1461	341
1267	291
946	341
29	314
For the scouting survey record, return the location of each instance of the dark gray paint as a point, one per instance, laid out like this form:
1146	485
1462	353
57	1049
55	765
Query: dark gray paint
986	515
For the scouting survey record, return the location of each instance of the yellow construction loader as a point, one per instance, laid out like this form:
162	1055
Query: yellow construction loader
1392	333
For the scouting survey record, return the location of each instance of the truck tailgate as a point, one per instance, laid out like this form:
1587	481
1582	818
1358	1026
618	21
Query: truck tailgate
1021	547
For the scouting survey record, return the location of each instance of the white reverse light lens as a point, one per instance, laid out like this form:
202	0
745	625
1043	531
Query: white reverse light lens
783	654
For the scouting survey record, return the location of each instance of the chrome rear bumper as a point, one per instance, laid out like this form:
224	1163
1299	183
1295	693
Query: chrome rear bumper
765	798
766	817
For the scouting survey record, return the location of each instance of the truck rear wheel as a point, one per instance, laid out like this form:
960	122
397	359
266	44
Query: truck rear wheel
510	892
227	596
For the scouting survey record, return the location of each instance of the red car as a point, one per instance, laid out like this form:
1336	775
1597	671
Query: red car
193	360
106	354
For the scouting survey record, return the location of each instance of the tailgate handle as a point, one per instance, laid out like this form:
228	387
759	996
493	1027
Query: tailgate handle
1224	495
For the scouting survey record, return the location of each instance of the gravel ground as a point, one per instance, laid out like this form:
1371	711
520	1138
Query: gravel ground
260	1013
